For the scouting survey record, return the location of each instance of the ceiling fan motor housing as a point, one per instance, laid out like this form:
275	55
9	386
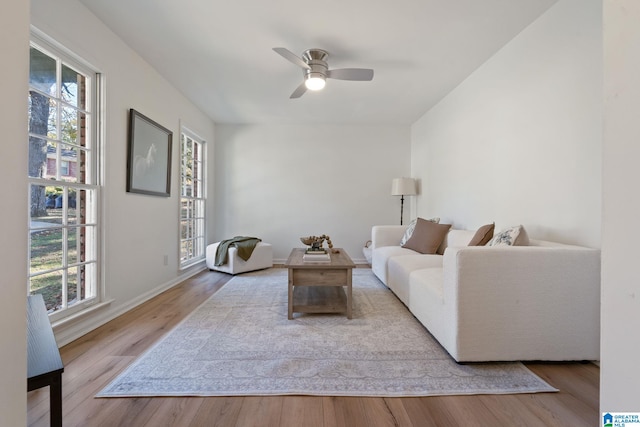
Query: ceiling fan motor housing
316	59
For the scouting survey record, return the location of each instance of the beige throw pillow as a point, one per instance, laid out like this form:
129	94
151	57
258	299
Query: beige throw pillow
427	236
483	235
411	227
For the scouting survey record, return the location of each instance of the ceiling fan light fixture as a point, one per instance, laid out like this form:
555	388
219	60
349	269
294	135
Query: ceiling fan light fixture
314	66
315	81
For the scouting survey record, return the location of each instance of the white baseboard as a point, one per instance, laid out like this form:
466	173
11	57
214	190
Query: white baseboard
68	330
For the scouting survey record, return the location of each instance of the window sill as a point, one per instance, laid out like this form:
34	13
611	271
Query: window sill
192	263
80	314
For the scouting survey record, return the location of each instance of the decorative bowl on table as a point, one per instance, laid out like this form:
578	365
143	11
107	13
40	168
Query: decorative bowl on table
316	242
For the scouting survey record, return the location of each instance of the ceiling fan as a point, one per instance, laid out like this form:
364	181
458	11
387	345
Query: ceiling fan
316	70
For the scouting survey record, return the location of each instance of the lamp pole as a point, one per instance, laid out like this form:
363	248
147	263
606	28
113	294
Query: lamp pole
403	187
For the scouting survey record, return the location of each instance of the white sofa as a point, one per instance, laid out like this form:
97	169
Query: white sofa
536	302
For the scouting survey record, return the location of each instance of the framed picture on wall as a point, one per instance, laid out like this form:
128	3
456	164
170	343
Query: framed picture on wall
148	156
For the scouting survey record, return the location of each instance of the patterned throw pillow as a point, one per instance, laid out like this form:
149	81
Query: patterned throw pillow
513	236
412	226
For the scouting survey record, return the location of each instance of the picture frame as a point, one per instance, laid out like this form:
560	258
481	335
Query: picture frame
148	156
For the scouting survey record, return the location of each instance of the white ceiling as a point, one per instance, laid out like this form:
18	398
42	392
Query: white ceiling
219	53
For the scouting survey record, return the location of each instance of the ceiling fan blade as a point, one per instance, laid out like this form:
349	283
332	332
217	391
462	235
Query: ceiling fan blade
290	56
300	90
358	74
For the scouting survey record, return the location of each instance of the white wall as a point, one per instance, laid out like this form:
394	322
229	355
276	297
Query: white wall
519	141
139	230
281	182
14	44
620	375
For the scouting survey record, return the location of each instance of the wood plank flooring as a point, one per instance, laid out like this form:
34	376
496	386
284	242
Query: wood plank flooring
95	359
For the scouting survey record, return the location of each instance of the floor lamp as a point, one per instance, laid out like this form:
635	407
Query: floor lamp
403	187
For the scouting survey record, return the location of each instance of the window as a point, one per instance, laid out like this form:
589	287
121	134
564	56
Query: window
64	168
192	198
63	211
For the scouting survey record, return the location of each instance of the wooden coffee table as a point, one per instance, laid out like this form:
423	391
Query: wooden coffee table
320	287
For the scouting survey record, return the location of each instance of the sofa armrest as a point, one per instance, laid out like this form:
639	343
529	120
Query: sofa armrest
387	235
525	300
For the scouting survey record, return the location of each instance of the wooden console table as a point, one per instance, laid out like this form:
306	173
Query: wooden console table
44	365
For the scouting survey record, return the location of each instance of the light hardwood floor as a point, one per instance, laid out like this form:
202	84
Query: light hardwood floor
95	359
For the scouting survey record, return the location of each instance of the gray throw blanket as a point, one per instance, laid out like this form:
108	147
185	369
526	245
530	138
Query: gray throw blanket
244	245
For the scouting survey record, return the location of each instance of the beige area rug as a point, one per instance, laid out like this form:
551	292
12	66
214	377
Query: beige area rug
240	343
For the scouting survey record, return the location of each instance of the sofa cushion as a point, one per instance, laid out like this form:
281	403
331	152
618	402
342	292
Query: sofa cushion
513	236
380	258
427	236
411	227
400	267
483	235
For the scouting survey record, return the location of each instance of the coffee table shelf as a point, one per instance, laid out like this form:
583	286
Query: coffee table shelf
320	287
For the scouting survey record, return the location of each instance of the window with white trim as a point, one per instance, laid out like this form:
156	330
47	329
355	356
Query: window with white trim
192	198
63	180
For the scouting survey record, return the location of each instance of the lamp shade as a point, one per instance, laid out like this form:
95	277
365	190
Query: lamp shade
403	187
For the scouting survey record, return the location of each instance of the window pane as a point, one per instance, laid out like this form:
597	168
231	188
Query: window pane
79	287
73	87
72	285
189	248
39	207
196	170
198	210
185	229
52	195
56	214
72	246
183	251
42	115
69	125
42	71
185	208
68	163
50	286
38	158
88	205
51	170
46	250
197	188
86	243
83	167
78	200
88	273
74	216
199	246
199	227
